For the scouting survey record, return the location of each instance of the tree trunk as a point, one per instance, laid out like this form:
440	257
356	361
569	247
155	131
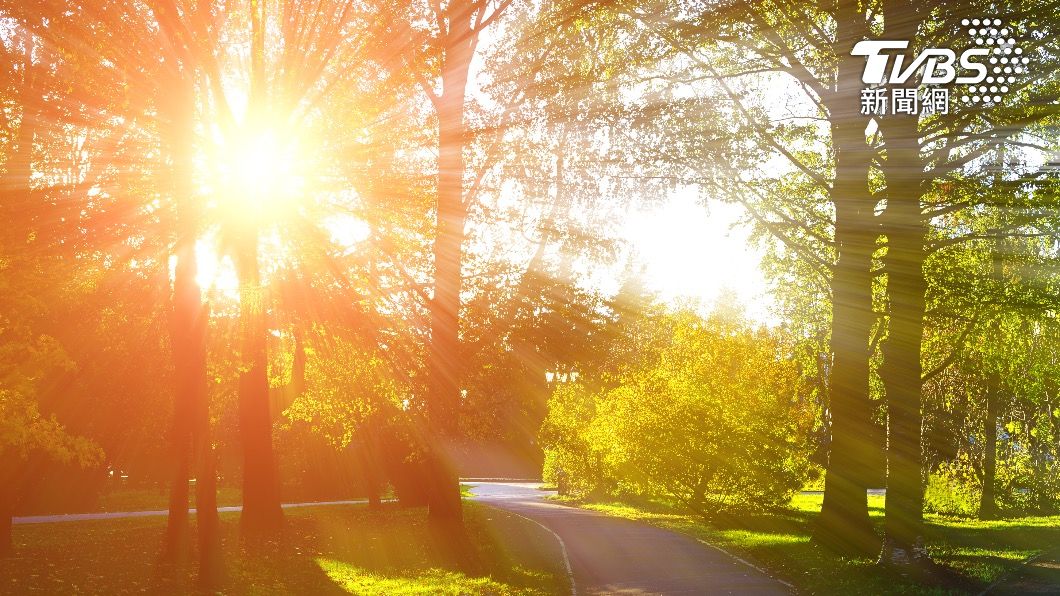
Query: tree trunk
211	567
7	512
262	514
188	341
175	549
211	563
906	287
261	499
186	305
906	231
844	522
988	503
445	367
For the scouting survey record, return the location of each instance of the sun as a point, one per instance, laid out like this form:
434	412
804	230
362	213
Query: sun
259	175
261	179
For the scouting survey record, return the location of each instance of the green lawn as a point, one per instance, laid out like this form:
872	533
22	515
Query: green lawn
337	549
154	499
977	553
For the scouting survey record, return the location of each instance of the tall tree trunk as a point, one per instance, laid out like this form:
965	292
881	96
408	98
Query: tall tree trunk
191	423
211	563
906	287
906	232
445	367
175	548
844	522
207	520
988	502
7	509
261	494
261	488
186	307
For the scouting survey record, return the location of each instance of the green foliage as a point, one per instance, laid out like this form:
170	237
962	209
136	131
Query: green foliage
953	489
346	383
26	358
1023	484
23	430
573	460
715	415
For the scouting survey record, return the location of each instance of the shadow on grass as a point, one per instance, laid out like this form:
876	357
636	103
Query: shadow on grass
397	551
325	550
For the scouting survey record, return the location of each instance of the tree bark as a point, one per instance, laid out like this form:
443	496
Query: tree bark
186	305
906	232
988	502
262	514
175	548
445	367
211	563
191	426
261	499
844	522
211	568
906	288
7	512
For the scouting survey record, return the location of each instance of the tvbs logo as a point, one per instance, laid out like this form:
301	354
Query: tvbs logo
938	64
988	69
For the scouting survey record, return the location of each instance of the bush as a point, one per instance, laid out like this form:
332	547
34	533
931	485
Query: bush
1022	485
574	462
715	418
953	488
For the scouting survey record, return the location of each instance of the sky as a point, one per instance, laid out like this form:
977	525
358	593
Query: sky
691	252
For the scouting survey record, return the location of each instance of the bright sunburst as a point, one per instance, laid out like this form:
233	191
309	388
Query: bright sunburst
260	175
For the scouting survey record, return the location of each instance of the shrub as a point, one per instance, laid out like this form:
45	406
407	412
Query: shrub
953	488
716	418
1022	485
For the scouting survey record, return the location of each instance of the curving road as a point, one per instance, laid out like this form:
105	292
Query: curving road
608	555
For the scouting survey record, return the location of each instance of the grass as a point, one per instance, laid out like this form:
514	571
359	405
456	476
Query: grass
156	499
326	550
978	553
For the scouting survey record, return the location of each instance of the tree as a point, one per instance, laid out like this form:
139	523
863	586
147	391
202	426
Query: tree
819	211
987	324
28	355
191	425
442	40
920	155
709	411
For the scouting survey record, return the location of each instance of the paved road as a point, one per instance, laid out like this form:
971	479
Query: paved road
608	555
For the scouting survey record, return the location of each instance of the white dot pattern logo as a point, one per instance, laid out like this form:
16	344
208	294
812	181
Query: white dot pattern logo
1006	60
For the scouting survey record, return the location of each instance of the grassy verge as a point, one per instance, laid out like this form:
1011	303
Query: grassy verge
978	553
327	550
155	499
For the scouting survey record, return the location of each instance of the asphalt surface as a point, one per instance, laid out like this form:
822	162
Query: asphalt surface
608	555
